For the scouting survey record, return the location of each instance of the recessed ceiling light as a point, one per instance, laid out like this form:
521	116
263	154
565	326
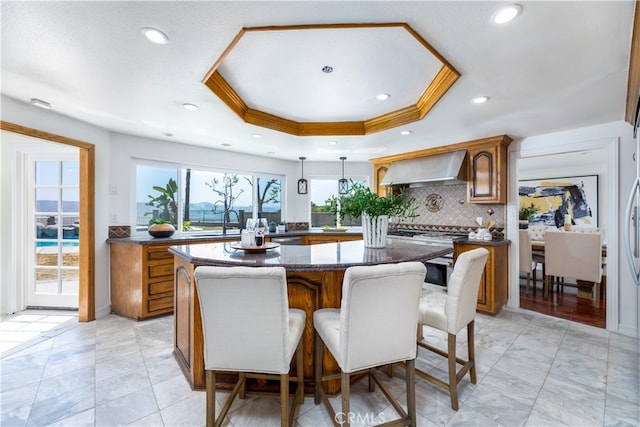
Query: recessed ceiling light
169	134
256	135
333	142
154	35
327	69
226	145
480	99
507	14
40	103
383	96
406	132
190	107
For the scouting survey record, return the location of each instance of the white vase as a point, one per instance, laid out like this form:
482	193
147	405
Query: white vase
374	231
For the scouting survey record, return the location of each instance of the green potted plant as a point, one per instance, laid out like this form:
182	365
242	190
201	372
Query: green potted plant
159	227
525	213
375	211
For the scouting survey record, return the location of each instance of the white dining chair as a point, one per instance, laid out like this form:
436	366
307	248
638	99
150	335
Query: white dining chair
374	326
529	260
526	263
249	328
573	255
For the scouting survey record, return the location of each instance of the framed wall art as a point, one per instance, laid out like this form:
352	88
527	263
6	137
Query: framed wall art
554	198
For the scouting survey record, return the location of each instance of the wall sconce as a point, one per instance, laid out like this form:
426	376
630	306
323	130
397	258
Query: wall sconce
302	183
343	184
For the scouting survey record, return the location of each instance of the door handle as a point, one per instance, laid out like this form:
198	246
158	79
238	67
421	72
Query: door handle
632	224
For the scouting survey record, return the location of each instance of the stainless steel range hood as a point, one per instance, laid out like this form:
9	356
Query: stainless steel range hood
445	168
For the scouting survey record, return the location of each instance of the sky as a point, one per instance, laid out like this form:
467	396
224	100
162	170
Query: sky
48	173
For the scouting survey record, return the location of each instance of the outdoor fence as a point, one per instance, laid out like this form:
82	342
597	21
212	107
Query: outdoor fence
208	219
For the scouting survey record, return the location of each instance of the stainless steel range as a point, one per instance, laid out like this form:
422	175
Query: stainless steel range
438	269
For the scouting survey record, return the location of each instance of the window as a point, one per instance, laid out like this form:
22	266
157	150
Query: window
198	200
322	190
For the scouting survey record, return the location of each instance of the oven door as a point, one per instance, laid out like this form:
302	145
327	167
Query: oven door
439	270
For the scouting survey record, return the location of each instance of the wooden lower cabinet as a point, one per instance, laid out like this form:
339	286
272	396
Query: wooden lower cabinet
494	285
141	280
315	239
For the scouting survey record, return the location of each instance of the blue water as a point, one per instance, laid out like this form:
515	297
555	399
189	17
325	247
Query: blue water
41	244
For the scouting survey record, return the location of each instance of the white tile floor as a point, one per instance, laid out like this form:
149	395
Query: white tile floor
31	325
532	370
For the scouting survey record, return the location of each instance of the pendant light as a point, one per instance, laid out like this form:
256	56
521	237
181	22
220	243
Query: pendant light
302	183
343	184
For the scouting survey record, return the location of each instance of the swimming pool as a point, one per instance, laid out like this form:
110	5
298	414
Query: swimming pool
45	244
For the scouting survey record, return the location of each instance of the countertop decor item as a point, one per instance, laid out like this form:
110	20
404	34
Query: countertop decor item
160	228
375	211
525	213
338	229
263	248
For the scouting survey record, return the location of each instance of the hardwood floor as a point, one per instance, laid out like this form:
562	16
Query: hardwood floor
565	305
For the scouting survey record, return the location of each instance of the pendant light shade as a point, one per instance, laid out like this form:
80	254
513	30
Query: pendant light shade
343	184
302	183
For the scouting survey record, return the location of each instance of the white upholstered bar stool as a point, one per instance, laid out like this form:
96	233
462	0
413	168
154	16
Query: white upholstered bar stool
374	326
249	328
450	313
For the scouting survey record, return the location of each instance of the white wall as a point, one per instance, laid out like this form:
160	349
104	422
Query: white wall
625	295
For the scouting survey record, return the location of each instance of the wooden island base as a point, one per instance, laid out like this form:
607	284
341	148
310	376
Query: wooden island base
314	281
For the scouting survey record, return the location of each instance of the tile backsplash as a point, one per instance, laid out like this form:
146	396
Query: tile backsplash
447	205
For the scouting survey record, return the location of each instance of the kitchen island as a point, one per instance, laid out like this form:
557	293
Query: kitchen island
314	280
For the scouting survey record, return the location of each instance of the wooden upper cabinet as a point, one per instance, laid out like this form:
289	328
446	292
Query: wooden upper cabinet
486	167
487	173
379	171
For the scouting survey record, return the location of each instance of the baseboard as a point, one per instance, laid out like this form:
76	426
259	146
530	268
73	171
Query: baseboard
103	312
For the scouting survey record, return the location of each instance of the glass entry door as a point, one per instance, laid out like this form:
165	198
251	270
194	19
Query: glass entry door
53	279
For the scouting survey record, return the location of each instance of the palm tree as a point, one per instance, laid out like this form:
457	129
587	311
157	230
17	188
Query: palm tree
166	201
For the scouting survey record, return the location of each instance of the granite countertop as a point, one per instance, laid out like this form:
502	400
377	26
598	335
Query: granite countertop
325	257
494	242
178	238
